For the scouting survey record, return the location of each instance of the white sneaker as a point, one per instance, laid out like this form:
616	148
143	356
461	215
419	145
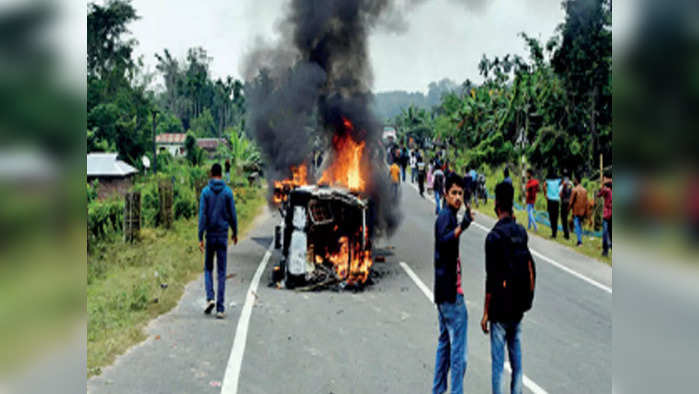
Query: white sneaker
209	306
219	315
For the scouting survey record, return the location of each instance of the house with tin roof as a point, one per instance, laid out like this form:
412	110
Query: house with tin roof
114	176
172	142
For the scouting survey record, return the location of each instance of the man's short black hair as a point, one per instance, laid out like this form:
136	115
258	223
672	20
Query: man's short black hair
504	196
453	179
216	170
506	172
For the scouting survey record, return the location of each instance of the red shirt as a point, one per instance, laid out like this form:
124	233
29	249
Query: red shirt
532	189
459	290
606	193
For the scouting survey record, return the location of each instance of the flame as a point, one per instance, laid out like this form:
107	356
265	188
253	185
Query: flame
299	177
346	169
354	269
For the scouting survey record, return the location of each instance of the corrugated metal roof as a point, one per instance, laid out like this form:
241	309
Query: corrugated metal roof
106	164
170	138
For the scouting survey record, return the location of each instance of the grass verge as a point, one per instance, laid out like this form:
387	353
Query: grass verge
591	247
125	283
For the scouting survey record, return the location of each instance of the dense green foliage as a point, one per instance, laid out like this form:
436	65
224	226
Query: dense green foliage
122	107
553	108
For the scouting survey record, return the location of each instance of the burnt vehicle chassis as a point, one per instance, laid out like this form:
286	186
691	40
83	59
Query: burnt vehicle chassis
323	229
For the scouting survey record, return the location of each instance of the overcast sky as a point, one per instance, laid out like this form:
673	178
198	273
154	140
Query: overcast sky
445	38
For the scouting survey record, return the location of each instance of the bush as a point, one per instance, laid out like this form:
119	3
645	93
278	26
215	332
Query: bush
104	218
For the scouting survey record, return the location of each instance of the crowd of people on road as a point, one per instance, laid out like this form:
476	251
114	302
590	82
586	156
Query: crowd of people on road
509	266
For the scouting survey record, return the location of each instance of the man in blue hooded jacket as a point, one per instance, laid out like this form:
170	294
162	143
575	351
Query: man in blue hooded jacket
216	214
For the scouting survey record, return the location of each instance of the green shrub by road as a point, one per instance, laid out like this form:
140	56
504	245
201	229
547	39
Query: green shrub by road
124	280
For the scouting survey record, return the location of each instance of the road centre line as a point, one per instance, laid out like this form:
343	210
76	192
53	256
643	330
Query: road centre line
530	384
539	255
235	360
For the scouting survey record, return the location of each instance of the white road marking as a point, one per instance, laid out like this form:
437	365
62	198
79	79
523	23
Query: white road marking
543	257
235	360
530	384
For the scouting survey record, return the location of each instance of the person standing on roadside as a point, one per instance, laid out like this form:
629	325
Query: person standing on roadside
216	214
509	289
553	199
565	191
578	206
227	168
448	293
438	188
532	188
606	193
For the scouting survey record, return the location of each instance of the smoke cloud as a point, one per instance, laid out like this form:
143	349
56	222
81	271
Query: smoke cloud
301	89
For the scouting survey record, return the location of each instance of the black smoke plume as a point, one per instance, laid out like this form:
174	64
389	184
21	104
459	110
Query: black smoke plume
301	90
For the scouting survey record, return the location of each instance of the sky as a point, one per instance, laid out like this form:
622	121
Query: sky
444	39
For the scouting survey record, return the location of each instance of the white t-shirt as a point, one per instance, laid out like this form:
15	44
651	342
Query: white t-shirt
413	161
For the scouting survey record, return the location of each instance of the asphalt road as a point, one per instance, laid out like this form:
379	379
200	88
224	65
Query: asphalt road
380	340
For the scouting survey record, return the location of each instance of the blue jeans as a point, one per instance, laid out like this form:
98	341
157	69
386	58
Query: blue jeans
532	220
218	246
394	186
413	174
402	173
437	201
577	220
509	333
451	347
606	235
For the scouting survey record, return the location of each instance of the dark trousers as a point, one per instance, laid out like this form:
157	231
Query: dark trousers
421	182
606	235
564	220
553	216
217	246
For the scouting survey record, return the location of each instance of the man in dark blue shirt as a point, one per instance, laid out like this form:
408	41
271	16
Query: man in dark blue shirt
216	214
498	311
448	295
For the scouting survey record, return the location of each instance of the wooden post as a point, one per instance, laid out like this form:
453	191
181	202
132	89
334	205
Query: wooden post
132	216
601	169
165	193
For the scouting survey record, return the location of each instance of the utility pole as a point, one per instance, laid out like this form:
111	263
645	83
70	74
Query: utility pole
155	158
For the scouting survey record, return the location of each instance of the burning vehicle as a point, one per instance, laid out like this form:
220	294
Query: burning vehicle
307	93
324	237
326	229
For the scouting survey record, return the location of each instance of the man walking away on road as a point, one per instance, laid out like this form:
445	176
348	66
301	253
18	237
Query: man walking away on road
395	178
606	193
421	175
578	205
565	191
553	200
448	294
509	289
216	214
532	188
413	166
468	187
403	162
438	188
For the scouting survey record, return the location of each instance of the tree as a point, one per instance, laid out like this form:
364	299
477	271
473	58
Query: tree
583	61
118	105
